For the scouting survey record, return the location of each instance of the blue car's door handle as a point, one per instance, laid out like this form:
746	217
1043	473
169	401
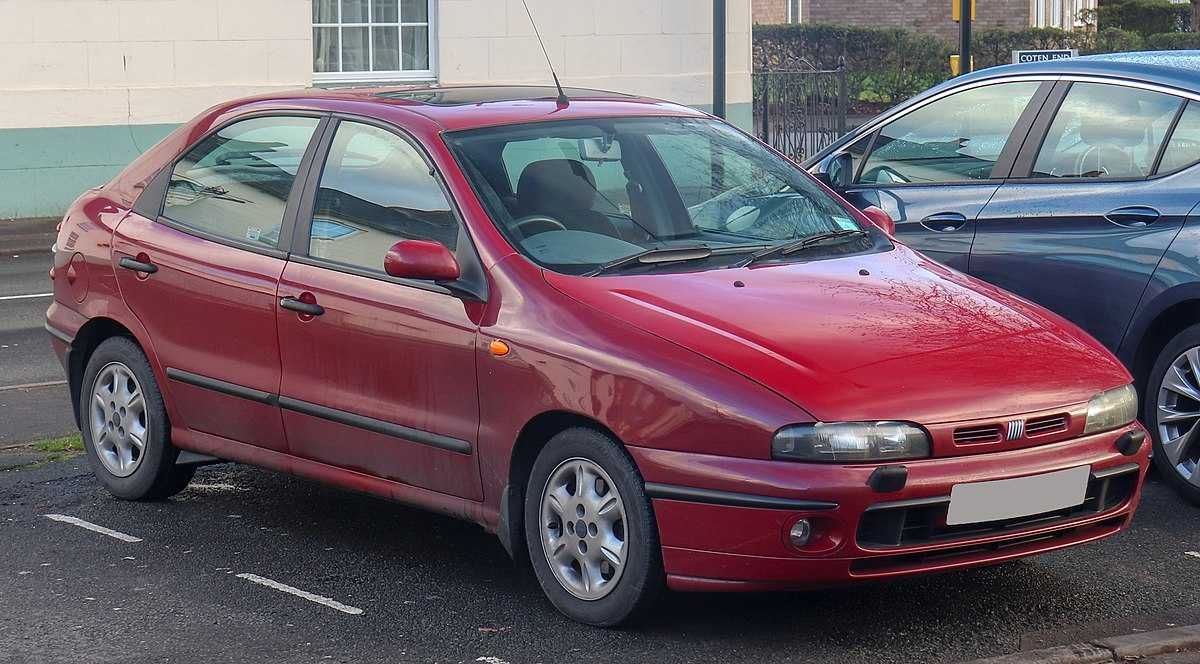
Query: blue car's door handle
944	222
1133	217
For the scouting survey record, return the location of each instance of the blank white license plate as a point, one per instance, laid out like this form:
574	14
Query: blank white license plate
978	502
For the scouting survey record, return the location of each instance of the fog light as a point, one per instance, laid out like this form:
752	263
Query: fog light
801	532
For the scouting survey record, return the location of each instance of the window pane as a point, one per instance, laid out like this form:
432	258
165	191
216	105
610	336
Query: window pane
1105	131
384	11
416	48
236	182
1184	147
955	139
354	11
325	45
607	177
386	42
375	191
325	11
414	11
354	49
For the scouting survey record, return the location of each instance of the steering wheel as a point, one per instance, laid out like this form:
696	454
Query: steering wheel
538	223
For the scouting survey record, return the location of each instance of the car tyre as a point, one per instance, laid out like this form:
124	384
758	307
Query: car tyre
125	430
610	519
1175	374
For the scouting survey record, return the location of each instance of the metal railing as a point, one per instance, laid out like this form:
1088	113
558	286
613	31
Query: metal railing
800	112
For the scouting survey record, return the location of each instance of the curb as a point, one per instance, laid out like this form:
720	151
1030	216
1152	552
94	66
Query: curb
19	236
1129	647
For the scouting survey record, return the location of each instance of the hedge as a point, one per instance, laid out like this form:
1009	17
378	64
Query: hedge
886	65
1145	17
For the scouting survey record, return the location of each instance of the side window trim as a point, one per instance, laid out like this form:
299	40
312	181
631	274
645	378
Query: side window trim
287	224
1023	166
1008	157
472	285
1170	134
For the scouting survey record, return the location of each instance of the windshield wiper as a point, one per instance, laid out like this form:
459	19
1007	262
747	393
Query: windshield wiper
792	247
656	255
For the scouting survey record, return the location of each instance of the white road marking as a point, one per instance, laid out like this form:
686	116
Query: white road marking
30	296
93	527
30	386
1194	554
282	587
491	660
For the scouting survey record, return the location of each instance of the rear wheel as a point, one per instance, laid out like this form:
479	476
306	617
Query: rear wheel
124	425
1171	409
590	530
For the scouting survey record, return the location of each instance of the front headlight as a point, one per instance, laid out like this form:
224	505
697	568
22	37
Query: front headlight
1111	409
850	442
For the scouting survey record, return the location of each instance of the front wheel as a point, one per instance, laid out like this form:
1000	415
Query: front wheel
590	530
124	425
1171	409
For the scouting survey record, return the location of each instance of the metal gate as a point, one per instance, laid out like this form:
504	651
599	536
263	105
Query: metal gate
800	112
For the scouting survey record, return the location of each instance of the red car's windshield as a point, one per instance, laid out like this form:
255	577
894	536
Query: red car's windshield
580	196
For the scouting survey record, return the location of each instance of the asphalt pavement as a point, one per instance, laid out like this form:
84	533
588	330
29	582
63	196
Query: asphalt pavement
33	397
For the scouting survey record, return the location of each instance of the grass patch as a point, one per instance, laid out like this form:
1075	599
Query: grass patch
60	448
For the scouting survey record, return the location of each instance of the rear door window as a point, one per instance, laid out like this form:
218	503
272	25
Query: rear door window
957	138
1106	131
1183	148
234	184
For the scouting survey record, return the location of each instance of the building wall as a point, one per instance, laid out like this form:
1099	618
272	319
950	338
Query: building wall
932	16
770	11
89	84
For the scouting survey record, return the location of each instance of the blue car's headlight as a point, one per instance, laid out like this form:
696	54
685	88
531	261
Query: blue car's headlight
851	442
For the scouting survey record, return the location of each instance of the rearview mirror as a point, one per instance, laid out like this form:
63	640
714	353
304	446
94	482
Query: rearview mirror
880	219
421	259
839	171
599	149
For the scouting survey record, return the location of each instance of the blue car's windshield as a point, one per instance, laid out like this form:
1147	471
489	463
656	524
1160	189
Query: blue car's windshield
583	196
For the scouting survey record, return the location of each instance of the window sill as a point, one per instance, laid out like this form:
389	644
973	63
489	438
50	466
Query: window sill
325	80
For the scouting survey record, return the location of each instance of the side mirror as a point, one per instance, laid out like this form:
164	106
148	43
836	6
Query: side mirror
421	259
881	219
839	171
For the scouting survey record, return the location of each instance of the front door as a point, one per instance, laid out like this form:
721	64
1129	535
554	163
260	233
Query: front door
934	168
378	372
1082	225
201	276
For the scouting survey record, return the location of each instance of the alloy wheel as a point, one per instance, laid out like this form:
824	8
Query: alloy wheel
118	419
1178	414
583	529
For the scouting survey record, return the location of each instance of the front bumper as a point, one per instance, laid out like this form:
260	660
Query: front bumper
723	521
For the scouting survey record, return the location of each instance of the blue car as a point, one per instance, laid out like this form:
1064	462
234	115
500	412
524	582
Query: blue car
1073	183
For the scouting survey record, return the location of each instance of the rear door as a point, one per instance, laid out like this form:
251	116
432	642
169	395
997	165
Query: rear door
379	375
1084	221
200	267
935	167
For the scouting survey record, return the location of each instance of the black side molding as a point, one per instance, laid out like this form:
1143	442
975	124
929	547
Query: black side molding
221	386
374	425
714	497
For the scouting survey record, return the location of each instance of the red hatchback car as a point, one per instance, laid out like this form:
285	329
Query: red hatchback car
635	343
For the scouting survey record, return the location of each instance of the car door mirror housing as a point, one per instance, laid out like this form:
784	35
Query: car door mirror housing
421	259
839	171
881	219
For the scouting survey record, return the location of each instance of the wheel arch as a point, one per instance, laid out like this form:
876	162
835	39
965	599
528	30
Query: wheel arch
1171	317
529	443
87	339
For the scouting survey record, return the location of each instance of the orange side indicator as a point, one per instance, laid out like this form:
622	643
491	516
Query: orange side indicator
498	348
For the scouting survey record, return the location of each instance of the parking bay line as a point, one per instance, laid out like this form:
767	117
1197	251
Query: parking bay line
283	587
25	297
93	527
31	386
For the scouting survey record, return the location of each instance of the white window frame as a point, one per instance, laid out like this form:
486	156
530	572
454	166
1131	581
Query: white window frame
795	10
429	74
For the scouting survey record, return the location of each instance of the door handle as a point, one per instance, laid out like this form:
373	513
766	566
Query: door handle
944	222
306	308
1135	216
143	267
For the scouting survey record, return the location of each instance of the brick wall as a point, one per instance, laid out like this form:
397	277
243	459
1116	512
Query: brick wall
770	11
931	16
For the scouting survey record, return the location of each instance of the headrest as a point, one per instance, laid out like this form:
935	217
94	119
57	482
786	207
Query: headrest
556	185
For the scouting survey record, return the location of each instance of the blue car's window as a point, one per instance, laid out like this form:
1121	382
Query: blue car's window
1183	148
954	139
1106	131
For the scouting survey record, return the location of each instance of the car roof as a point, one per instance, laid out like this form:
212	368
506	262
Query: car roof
474	106
1178	69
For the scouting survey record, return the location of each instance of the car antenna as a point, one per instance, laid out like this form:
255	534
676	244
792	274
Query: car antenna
563	100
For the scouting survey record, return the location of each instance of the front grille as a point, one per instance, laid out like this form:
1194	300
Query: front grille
913	523
877	565
987	433
1046	425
